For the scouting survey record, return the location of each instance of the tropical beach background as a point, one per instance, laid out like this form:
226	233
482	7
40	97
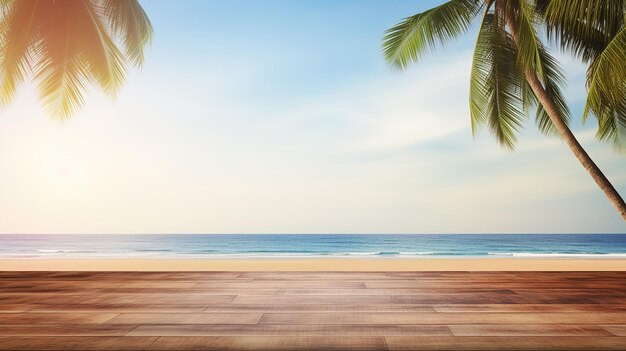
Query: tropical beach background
284	117
312	175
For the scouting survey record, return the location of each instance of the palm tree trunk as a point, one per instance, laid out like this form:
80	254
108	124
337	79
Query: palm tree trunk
574	145
548	104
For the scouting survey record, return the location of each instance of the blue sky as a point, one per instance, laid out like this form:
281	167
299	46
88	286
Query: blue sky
282	117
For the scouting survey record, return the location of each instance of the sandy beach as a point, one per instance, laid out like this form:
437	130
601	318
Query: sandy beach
304	264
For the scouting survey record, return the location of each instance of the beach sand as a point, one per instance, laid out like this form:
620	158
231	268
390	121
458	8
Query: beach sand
314	264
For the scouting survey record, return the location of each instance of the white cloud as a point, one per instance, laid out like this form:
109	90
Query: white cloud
399	110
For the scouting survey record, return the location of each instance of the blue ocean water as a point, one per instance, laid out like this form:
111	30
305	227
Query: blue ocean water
305	245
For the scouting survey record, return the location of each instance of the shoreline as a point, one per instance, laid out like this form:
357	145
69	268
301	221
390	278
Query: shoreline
316	264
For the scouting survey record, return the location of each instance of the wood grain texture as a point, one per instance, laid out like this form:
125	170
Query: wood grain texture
442	318
186	318
619	330
121	343
294	330
527	330
505	343
269	343
312	310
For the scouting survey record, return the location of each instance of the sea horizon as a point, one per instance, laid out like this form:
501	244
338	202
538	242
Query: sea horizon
375	246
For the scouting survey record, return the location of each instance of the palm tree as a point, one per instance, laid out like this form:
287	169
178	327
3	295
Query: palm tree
512	70
594	30
66	45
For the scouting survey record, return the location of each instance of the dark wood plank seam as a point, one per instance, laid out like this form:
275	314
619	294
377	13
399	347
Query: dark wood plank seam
602	326
153	342
106	321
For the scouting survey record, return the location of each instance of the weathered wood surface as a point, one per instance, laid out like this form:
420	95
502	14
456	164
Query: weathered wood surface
312	311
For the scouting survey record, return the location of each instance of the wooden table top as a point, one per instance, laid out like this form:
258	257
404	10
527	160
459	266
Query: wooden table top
312	310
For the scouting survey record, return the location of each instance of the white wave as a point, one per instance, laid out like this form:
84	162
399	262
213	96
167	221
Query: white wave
386	253
358	253
418	253
65	251
554	254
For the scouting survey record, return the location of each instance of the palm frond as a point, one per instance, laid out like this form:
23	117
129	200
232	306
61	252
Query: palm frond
584	27
528	45
130	22
17	32
606	96
533	55
61	69
69	45
553	80
612	128
406	42
496	83
105	60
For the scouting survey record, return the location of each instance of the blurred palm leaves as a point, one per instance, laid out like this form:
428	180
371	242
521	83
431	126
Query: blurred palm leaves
67	45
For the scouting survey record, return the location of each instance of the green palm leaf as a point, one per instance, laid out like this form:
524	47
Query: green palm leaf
553	79
496	83
529	46
406	42
512	70
594	30
583	27
606	97
531	54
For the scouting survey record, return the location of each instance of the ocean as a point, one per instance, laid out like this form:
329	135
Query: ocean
307	245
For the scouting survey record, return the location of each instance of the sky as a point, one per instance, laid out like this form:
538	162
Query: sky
282	117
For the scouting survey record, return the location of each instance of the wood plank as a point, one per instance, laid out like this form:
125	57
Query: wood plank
186	318
118	298
80	284
15	307
505	342
55	318
527	330
139	291
319	308
530	308
291	330
565	296
325	276
467	298
67	330
314	299
120	307
284	284
405	283
117	283
107	275
159	298
268	343
125	343
443	318
195	276
391	291
619	330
